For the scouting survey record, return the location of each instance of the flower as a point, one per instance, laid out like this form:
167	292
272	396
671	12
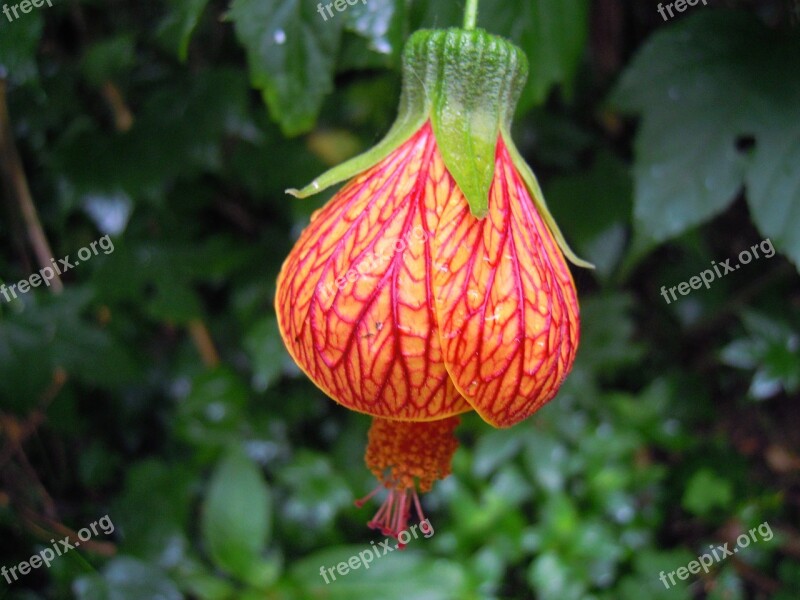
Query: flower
433	283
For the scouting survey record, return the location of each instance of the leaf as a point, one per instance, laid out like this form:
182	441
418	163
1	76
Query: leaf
52	332
595	207
291	60
772	349
607	337
177	133
212	413
179	24
380	22
316	494
104	60
393	576
706	491
153	511
715	79
773	179
236	515
553	35
126	578
19	42
266	351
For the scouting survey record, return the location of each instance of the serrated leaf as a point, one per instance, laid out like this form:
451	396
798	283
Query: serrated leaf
236	515
701	86
291	53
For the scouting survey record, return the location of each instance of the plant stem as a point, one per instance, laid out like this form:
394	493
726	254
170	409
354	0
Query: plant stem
470	14
14	174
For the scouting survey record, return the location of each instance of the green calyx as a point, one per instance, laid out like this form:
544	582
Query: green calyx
467	83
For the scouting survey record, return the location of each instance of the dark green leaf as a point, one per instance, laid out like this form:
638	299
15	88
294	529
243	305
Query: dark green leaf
179	24
712	80
290	52
267	352
19	42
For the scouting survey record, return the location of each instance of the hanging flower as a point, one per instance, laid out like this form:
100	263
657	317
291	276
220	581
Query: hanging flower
434	282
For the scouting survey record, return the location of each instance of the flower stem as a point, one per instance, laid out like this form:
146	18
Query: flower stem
470	14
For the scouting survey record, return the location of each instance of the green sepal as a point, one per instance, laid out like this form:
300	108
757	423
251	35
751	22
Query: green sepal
474	80
402	129
538	200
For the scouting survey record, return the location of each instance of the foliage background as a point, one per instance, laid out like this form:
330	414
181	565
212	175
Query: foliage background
155	388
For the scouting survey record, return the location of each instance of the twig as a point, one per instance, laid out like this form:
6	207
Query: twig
123	117
14	173
205	345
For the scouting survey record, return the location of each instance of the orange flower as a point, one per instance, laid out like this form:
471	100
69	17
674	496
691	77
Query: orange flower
433	283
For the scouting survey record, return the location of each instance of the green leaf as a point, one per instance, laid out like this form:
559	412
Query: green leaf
236	515
177	133
212	413
179	24
773	179
267	352
19	42
554	579
379	22
772	349
706	491
607	336
50	332
106	59
702	86
394	576
553	35
126	578
595	207
291	53
153	510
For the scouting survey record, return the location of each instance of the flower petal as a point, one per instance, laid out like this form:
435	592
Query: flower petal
354	296
506	302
